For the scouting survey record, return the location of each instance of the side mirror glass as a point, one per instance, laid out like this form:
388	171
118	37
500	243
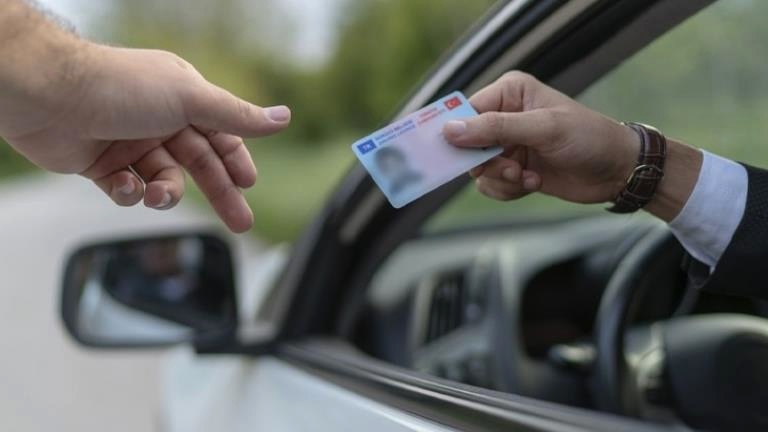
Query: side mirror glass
150	292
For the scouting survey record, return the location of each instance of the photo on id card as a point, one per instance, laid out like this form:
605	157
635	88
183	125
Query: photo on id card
410	157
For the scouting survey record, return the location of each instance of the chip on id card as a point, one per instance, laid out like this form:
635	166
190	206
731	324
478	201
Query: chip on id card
410	157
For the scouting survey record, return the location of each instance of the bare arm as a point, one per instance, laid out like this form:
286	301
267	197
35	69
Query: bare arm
39	61
73	106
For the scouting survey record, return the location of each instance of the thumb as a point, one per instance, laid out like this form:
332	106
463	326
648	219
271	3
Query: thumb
529	128
214	108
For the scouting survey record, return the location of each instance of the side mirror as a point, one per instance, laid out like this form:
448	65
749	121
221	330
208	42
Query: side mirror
151	292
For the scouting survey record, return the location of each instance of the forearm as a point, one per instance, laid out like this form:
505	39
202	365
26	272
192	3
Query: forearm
41	62
702	196
681	172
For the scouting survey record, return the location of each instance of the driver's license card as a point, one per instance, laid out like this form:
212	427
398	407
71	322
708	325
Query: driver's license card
410	157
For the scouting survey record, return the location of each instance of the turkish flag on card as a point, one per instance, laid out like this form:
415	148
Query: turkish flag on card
453	103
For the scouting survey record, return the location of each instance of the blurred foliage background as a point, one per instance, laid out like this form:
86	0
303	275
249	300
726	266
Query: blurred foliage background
11	163
379	51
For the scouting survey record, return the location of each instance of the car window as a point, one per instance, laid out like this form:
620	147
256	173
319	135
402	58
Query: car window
691	83
423	301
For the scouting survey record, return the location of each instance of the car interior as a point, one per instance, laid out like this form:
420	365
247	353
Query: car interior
518	310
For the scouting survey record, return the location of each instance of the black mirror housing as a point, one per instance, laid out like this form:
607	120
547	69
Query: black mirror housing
151	292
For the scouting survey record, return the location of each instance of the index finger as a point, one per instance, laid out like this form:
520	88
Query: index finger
193	151
236	157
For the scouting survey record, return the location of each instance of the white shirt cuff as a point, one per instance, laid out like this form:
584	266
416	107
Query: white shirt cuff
714	210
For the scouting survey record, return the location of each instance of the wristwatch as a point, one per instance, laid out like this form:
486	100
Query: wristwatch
645	177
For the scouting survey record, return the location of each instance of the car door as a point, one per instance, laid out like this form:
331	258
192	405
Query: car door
305	368
315	377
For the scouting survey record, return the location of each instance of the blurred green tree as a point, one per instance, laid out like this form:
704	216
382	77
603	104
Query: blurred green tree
711	88
383	48
386	46
11	163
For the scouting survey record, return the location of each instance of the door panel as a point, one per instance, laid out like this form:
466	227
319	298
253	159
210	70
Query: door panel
268	394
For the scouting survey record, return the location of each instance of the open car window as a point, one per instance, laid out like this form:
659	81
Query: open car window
703	82
427	302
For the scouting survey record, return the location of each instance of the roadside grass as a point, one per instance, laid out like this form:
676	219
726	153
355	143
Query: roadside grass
12	163
294	181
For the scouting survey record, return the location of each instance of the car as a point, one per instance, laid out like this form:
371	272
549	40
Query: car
433	317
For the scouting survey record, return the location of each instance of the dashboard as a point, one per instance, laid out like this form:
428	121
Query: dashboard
494	307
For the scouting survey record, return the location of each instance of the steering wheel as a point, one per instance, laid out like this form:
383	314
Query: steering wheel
711	370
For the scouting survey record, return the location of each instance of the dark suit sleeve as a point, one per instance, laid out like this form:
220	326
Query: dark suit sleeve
743	268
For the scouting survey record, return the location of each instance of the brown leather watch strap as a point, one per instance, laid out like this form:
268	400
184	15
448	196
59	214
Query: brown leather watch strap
644	179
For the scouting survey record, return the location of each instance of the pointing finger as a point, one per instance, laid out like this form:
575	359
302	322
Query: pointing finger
193	151
233	152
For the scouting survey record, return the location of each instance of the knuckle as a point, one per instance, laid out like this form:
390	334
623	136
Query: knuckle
549	122
494	122
244	109
178	61
234	156
126	201
519	86
176	175
202	162
480	186
195	98
508	195
516	81
518	76
221	191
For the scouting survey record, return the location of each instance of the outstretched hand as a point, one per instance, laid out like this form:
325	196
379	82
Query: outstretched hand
134	120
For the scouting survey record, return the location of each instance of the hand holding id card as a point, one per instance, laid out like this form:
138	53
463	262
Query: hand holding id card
410	157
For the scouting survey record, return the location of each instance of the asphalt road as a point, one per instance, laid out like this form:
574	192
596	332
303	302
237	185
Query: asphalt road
47	383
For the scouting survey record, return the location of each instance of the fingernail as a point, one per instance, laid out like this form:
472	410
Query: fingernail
127	188
529	184
455	127
510	174
165	201
279	114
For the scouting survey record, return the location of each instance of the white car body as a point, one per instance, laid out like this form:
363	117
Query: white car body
238	393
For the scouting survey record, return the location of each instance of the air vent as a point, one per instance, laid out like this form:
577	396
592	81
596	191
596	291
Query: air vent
446	309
